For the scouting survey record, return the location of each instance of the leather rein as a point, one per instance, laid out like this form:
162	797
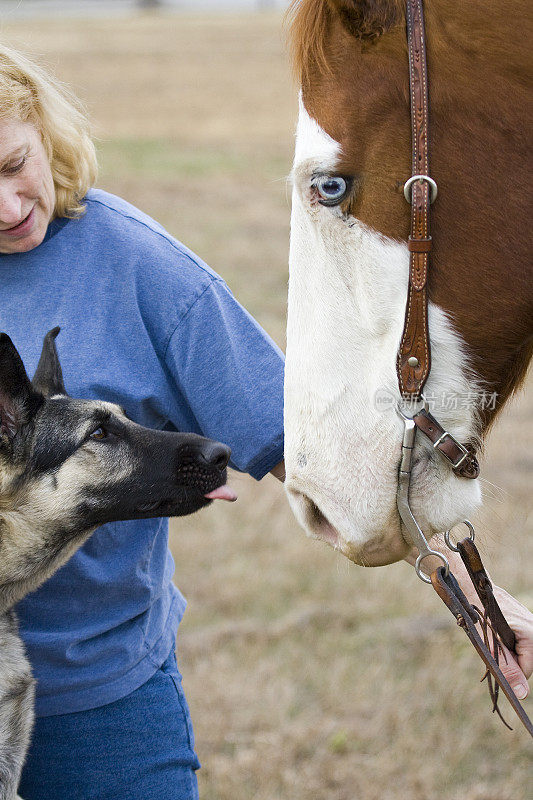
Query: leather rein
413	367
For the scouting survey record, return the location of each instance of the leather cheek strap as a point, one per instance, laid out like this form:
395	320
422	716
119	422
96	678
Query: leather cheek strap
414	356
419	245
414	353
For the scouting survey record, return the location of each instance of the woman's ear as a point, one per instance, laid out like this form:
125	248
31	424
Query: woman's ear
368	19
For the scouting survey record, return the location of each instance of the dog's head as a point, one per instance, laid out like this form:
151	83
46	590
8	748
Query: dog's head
68	465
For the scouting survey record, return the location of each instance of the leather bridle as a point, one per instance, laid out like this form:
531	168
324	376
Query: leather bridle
413	368
414	354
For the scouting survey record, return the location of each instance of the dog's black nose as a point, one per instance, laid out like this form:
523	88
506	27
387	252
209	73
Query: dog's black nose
215	454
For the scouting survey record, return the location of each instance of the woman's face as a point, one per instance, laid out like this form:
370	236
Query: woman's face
27	194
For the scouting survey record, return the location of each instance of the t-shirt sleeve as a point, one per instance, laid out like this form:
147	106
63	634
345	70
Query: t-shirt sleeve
230	372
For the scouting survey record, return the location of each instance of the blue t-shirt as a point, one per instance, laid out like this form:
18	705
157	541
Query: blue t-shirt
145	324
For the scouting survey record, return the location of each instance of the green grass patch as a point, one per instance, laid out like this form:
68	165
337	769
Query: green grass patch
160	159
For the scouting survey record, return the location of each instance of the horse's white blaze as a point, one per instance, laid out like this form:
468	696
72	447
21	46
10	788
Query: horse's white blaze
347	294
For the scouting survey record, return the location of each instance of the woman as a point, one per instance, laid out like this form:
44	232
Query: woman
146	324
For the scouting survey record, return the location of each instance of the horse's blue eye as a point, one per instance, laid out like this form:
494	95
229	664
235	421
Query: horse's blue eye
332	189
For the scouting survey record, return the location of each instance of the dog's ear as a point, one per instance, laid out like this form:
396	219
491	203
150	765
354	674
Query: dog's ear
19	401
48	378
368	19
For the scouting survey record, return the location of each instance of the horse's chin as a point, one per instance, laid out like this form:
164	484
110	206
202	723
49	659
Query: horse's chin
387	547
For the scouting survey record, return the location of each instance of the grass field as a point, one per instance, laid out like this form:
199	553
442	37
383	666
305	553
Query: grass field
308	678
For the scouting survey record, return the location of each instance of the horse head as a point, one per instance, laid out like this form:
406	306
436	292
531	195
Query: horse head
349	260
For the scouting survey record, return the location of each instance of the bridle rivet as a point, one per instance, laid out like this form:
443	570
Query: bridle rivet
413	361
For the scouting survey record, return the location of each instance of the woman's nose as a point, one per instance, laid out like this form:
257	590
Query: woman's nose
10	206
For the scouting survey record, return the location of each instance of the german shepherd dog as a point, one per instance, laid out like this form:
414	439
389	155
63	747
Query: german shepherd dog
67	466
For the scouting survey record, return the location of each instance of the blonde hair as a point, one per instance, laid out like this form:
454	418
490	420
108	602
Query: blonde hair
29	94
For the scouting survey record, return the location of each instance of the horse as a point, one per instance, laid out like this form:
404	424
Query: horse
349	259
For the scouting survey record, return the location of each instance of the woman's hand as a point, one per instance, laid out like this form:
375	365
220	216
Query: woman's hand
279	471
520	667
516	668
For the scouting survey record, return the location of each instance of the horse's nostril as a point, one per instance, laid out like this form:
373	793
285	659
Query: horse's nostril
216	455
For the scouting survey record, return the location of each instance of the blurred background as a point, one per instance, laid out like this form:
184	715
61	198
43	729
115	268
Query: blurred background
308	678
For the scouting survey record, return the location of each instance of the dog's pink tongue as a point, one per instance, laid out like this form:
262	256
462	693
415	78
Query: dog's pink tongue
222	493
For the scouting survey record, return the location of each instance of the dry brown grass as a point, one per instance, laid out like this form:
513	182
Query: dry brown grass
308	678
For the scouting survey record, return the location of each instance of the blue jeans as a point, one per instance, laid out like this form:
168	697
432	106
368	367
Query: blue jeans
138	748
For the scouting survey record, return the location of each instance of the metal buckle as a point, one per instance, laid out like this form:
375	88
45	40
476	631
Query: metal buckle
432	185
462	448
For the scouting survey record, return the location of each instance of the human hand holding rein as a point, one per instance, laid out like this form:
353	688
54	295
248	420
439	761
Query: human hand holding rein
517	668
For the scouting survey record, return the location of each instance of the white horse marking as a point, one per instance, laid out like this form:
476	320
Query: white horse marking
347	295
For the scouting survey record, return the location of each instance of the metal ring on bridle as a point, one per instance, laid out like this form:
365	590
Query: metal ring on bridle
447	535
423	575
432	185
402	400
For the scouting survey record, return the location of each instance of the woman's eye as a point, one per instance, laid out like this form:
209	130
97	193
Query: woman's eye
99	433
332	189
12	169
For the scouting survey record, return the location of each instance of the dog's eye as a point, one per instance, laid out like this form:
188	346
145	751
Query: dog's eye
98	433
332	189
